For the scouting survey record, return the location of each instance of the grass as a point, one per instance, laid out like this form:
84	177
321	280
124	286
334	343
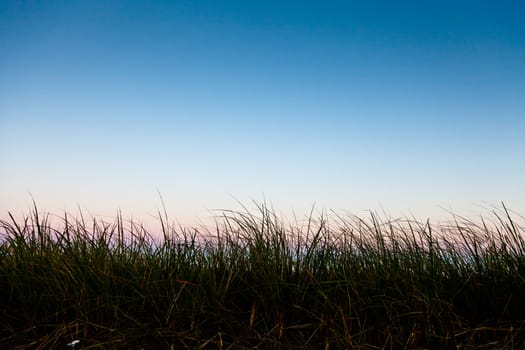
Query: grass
256	282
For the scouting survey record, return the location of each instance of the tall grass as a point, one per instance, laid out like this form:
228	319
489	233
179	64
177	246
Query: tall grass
257	282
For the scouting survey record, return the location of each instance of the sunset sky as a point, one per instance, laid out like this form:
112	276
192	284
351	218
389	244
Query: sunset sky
415	107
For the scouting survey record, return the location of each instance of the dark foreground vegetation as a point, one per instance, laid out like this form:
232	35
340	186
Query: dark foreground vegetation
255	282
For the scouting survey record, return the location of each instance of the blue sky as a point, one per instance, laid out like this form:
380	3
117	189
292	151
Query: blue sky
412	106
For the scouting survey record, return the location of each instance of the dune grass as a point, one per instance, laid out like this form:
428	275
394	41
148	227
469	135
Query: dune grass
256	282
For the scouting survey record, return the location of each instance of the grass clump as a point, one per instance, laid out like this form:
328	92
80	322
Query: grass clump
255	282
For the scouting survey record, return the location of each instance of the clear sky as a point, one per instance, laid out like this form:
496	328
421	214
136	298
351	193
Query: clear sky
411	106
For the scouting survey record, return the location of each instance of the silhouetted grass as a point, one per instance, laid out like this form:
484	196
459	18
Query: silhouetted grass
256	282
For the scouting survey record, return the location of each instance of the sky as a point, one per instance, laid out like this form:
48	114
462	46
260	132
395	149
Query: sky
414	108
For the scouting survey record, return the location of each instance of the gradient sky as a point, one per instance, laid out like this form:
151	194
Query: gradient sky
412	106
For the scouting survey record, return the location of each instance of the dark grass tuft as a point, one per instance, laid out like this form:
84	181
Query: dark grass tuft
258	283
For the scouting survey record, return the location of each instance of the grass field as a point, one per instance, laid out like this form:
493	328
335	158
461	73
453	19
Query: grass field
329	282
